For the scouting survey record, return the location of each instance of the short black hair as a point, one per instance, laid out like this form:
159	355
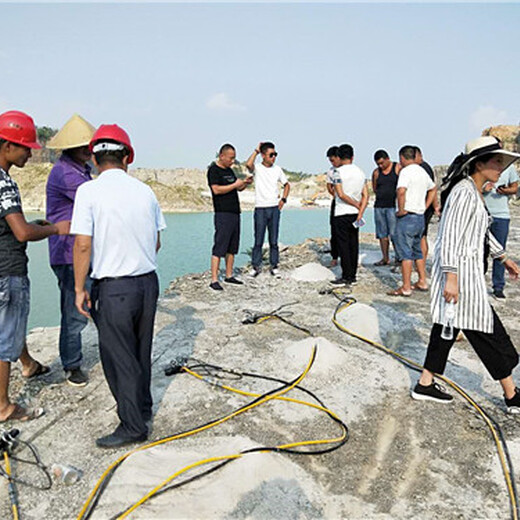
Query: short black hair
265	146
417	150
333	151
111	156
225	148
381	154
345	151
408	152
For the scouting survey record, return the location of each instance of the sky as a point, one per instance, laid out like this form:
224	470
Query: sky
183	79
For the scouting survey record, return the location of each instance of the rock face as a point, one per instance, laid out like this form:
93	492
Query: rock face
404	459
508	134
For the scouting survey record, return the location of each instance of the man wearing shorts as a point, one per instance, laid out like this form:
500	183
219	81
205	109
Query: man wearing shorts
17	138
415	192
224	191
384	184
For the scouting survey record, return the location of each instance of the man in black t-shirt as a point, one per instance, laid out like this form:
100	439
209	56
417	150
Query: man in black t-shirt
224	187
17	138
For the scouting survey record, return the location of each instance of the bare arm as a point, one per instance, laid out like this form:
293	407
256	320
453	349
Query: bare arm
430	197
250	163
158	243
364	201
345	198
29	232
375	176
330	188
285	194
239	185
401	199
81	253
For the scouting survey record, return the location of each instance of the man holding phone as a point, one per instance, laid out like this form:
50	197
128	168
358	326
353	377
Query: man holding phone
496	197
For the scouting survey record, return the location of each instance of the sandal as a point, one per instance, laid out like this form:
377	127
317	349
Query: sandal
399	292
40	370
416	287
382	262
22	414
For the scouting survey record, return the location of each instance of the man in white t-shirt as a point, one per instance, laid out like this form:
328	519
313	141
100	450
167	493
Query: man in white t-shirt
268	204
117	220
415	193
351	199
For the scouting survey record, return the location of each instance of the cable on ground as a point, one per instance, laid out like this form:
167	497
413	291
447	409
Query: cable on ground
494	427
213	376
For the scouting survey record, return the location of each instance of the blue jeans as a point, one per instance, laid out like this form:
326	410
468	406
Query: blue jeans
15	296
408	233
266	218
500	230
72	322
385	220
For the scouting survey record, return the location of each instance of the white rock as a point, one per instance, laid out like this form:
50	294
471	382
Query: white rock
312	272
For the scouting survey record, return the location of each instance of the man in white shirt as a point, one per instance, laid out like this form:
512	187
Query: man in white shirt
268	204
117	221
415	193
351	198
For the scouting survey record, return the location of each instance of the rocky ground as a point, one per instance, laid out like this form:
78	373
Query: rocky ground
403	459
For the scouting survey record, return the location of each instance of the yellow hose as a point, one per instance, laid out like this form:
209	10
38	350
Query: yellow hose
456	387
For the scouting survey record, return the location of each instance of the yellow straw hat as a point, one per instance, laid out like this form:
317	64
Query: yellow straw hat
75	132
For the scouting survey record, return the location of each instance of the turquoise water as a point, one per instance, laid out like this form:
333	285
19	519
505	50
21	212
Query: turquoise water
186	248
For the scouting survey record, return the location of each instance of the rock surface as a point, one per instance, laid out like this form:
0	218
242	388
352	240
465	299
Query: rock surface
403	460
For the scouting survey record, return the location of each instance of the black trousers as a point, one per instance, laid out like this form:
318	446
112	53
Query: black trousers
495	350
123	310
348	245
334	251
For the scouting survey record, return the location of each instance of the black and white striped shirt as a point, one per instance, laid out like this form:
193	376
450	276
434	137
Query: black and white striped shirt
459	249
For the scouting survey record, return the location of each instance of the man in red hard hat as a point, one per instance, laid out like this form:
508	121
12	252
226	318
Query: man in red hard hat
17	138
117	221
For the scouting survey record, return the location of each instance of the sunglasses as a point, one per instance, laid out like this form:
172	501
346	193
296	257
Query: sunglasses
273	154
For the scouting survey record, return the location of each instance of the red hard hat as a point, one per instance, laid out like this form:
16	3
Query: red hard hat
112	133
17	127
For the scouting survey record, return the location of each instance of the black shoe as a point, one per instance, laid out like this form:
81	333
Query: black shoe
433	392
234	280
115	441
499	295
77	377
216	286
513	404
339	282
351	281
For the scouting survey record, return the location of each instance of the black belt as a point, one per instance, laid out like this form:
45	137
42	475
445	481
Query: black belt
113	278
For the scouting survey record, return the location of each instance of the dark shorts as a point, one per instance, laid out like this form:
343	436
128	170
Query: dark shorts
14	311
227	234
408	234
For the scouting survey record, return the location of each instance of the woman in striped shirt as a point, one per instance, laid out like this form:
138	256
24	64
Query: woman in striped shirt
458	274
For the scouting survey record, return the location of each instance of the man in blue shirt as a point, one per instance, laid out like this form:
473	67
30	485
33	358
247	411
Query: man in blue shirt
496	197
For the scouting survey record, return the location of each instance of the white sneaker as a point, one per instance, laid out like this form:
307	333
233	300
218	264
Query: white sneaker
254	272
275	272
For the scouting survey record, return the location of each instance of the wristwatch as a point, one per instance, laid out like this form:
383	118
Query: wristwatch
284	200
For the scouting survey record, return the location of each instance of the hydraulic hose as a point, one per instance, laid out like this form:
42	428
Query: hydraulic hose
496	431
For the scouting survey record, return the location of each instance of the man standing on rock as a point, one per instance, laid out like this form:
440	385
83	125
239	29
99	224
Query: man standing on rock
415	193
17	138
335	161
70	171
384	184
117	221
224	187
351	201
496	197
268	204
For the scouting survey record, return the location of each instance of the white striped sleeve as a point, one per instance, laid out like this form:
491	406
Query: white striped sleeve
459	210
